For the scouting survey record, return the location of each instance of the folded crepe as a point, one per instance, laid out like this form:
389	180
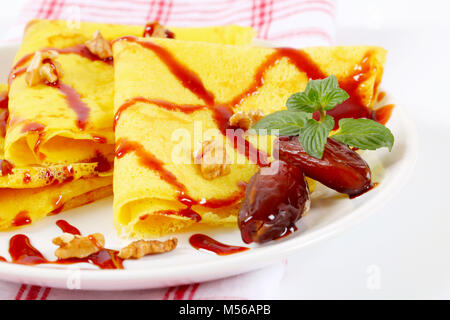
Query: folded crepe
20	207
171	95
30	193
72	122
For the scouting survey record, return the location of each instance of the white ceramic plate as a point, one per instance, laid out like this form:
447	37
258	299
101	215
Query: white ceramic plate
330	214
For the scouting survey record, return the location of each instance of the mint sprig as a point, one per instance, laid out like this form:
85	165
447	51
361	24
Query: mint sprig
321	96
364	134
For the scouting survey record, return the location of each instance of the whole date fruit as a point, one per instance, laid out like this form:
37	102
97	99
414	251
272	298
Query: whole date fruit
273	203
340	168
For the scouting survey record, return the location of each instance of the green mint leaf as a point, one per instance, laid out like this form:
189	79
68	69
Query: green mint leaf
364	134
313	136
301	101
288	123
322	94
334	97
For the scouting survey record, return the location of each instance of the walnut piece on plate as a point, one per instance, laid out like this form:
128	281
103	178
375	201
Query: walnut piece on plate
75	246
43	68
99	46
212	160
140	248
246	120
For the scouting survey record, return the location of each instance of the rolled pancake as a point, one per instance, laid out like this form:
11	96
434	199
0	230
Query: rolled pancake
39	176
28	194
72	122
170	95
21	207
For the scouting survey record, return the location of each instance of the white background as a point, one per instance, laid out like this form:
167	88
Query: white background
403	251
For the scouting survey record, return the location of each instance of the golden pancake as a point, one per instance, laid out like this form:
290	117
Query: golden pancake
20	207
40	176
171	95
72	121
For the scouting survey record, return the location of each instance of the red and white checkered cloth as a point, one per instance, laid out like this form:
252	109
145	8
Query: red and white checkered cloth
259	284
295	23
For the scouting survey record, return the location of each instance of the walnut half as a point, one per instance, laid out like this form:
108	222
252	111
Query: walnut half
212	160
140	248
99	46
246	120
43	68
155	30
75	246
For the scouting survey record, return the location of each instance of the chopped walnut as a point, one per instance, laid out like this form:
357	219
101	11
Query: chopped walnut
140	248
155	30
245	120
212	159
75	246
99	46
43	68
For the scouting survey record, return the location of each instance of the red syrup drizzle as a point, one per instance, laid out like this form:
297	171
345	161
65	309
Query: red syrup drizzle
160	103
201	241
73	98
151	162
4	100
383	114
6	167
2	259
15	72
57	210
103	165
23	252
188	213
21	219
99	139
69	173
39	129
26	177
299	58
188	78
4	113
67	227
49	177
381	96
